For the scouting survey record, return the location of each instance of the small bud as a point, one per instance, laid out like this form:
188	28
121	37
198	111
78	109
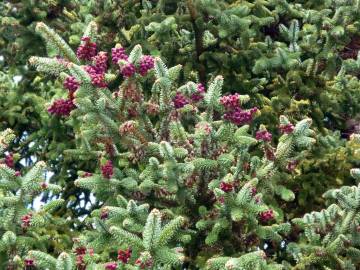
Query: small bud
127	128
226	187
44	185
29	262
267	215
263	135
124	255
111	266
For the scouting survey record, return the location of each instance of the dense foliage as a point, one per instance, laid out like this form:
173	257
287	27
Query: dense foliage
195	134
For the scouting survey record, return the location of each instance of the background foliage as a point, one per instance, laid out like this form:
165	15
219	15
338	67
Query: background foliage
293	58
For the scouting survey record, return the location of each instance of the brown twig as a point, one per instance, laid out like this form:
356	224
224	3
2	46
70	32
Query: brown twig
198	40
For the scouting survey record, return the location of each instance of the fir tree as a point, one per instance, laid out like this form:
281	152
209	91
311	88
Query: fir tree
190	155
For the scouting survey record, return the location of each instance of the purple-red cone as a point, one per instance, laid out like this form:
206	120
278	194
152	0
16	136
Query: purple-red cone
128	70
263	135
230	101
239	116
118	54
71	83
287	128
61	107
107	169
97	78
180	100
146	63
234	113
199	95
100	62
86	50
